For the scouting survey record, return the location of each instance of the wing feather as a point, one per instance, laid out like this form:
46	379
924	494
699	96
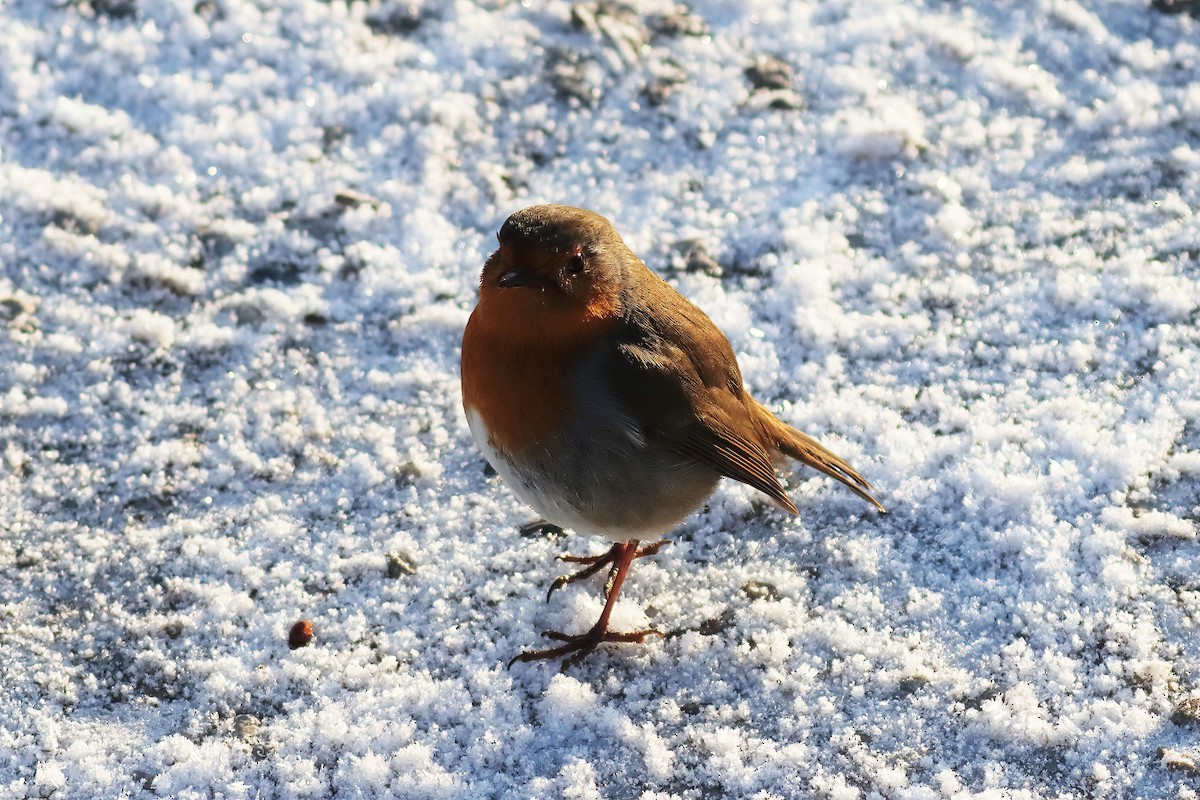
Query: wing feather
686	400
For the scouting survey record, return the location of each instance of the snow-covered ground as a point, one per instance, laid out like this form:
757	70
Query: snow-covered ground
239	240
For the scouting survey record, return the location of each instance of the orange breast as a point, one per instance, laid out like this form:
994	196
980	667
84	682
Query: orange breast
518	387
518	355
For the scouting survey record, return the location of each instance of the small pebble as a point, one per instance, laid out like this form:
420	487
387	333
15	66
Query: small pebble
1187	712
1178	760
761	590
246	726
400	564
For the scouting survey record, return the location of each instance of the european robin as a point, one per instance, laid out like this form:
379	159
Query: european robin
609	402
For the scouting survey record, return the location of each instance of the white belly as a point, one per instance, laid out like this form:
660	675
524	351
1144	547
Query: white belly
544	493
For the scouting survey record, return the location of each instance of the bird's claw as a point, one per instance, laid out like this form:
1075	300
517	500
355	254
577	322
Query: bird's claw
596	563
635	637
587	572
579	645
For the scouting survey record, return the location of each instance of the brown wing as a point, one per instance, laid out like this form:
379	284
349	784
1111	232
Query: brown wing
735	457
807	450
676	376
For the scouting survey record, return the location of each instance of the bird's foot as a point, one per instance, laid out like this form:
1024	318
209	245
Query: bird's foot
579	645
597	563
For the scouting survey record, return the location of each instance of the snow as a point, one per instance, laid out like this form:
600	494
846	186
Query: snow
238	245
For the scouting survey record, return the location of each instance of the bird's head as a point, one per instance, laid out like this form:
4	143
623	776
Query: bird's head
557	270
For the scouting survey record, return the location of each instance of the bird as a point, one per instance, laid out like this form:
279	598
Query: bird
609	402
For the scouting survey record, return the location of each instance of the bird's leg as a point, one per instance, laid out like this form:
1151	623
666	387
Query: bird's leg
623	555
597	563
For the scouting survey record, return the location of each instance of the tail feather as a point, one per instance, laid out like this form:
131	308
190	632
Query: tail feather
809	451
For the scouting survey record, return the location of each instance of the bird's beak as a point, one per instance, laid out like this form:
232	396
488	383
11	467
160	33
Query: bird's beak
516	277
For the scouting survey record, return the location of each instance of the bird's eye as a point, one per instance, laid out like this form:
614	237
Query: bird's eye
575	263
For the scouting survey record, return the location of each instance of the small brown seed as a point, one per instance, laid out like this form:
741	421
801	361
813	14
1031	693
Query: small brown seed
300	634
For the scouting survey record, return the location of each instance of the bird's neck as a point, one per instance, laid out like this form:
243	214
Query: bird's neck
540	319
